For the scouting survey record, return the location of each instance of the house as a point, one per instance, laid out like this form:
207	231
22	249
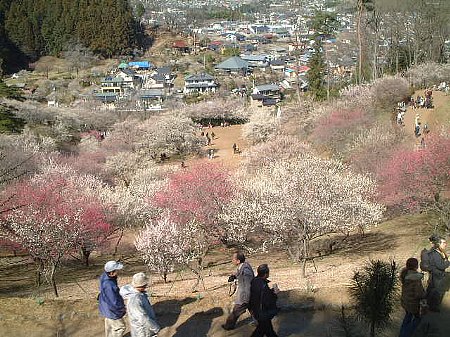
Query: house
278	64
180	46
200	83
105	97
129	77
295	71
123	65
110	84
266	95
163	77
267	90
140	65
215	46
256	61
249	47
259	29
234	64
150	99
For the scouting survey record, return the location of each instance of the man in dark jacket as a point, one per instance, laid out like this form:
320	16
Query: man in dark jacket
263	303
244	276
110	302
438	261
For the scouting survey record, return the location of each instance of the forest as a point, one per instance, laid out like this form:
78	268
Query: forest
33	28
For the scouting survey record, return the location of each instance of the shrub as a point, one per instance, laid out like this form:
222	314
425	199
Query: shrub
373	290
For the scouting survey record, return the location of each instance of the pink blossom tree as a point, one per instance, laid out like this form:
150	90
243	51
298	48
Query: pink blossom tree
194	198
198	193
418	179
54	216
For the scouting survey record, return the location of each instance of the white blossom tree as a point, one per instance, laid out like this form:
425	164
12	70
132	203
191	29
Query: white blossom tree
130	206
294	202
261	126
162	246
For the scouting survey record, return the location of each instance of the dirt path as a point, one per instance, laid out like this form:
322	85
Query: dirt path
222	144
431	117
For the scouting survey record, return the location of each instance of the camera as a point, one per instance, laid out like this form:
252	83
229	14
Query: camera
231	278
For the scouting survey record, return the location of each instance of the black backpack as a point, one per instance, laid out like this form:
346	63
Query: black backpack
425	263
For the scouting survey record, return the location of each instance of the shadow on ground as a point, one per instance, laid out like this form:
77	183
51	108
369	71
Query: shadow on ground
170	310
198	324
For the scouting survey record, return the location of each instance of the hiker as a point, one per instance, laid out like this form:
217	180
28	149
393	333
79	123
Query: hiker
412	294
400	115
437	263
140	312
213	135
417	130
244	276
263	302
234	147
110	302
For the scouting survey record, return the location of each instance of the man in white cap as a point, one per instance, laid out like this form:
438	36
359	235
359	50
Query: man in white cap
110	302
140	312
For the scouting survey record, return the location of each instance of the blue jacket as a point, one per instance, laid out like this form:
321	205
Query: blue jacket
110	302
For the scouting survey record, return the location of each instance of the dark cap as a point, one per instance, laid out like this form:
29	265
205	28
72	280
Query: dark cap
263	269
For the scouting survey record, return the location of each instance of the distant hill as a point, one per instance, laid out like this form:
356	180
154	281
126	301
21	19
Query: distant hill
34	28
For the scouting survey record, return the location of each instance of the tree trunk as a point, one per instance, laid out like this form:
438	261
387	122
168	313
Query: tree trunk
198	271
358	29
305	256
375	58
118	242
85	253
38	273
53	280
304	267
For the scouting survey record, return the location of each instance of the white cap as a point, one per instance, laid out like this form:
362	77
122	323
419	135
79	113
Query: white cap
139	280
113	265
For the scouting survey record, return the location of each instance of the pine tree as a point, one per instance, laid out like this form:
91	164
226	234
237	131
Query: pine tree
316	73
373	290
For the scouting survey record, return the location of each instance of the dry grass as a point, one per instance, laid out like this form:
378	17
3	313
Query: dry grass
179	308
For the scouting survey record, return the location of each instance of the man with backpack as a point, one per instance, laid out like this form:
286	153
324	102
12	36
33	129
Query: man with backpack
263	303
435	261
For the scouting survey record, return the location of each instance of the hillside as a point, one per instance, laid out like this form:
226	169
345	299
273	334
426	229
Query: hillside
310	306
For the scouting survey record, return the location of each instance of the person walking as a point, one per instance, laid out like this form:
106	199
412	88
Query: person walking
263	303
412	294
141	315
244	276
110	302
438	262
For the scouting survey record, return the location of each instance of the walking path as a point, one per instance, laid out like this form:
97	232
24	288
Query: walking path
222	144
426	116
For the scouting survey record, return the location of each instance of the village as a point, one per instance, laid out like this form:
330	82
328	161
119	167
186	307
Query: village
266	58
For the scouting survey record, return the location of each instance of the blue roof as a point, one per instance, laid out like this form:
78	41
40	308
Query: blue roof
140	64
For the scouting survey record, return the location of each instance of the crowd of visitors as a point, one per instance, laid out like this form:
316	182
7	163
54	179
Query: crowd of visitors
252	294
421	296
422	292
